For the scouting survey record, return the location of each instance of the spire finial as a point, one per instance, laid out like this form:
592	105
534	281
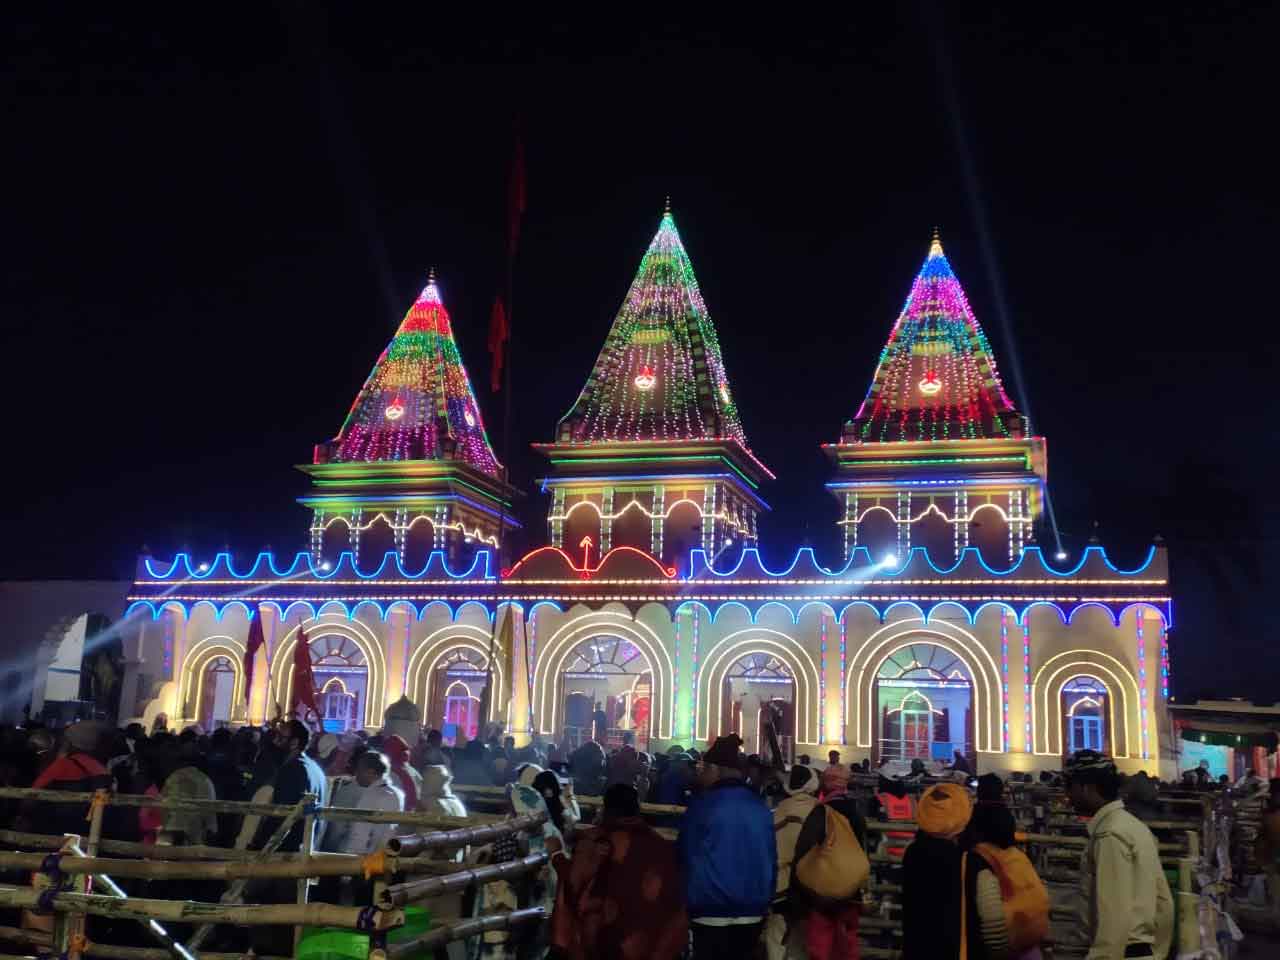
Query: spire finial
431	275
666	206
935	245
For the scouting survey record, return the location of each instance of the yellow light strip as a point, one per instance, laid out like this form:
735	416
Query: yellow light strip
476	534
460	635
1041	704
932	508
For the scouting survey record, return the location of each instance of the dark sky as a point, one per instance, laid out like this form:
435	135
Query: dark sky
211	228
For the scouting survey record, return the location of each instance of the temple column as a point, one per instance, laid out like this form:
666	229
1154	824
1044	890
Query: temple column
656	511
396	639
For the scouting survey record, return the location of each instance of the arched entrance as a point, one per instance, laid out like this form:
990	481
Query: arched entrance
217	694
755	687
611	674
457	687
1084	715
342	677
924	705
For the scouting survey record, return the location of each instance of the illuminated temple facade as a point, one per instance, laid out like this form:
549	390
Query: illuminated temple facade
944	627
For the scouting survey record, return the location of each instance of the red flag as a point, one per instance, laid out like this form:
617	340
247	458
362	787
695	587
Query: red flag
304	682
251	647
497	342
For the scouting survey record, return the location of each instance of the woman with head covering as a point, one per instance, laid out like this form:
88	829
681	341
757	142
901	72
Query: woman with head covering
403	775
621	897
931	880
788	817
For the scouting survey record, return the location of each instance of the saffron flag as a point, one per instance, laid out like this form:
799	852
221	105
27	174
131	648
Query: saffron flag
497	342
304	682
251	647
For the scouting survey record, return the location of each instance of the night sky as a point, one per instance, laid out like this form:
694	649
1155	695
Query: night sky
212	227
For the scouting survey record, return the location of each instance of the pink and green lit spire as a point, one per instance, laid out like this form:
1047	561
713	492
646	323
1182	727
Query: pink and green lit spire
417	403
660	375
936	379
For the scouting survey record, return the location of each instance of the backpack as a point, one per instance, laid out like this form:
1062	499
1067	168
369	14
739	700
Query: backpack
837	867
1026	901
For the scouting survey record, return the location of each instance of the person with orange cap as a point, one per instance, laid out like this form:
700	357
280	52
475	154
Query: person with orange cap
932	889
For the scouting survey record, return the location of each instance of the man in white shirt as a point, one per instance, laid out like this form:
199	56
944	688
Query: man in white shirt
369	789
1130	909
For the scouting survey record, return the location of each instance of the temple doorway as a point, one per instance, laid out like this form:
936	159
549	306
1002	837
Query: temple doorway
757	688
217	692
342	679
611	674
457	686
1084	716
924	702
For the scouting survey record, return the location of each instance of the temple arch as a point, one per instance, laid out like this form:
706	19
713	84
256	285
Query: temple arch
330	624
197	661
722	655
1122	691
436	649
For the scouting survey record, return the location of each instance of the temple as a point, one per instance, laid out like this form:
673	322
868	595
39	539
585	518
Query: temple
943	627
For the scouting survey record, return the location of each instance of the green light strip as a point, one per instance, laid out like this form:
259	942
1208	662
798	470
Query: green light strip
403	481
577	461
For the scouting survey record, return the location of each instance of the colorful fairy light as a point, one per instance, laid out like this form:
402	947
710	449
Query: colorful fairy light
1142	679
660	375
1004	673
844	678
822	683
1164	661
936	379
417	403
1027	745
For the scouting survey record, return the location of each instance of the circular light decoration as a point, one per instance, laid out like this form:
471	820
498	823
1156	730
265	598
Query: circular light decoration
931	383
645	379
394	411
466	415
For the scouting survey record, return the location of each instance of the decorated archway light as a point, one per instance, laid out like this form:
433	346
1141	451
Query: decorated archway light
930	383
395	410
645	379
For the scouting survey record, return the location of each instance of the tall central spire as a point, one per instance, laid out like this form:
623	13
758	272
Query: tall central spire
936	379
660	375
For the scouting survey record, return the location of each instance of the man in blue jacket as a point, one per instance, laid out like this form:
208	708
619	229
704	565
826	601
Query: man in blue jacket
729	857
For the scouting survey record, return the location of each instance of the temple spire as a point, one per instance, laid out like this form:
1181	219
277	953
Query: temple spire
936	378
417	403
660	375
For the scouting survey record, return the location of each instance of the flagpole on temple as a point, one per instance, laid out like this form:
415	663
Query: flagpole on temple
500	335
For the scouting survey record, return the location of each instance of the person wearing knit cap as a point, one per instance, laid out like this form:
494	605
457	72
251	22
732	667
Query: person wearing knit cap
728	855
1130	908
402	774
932	890
788	817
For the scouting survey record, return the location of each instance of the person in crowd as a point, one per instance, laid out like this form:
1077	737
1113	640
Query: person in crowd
931	879
437	792
836	775
599	724
406	778
788	817
1130	909
297	776
76	769
587	767
623	767
471	768
548	786
728	855
1268	844
623	877
962	764
677	782
185	780
895	804
433	749
830	922
1006	904
376	792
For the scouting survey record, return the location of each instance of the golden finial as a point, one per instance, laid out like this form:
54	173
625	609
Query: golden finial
431	275
935	245
666	206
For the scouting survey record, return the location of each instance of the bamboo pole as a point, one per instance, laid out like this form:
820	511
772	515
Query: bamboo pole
236	890
407	818
308	841
320	865
186	911
463	929
26	938
413	844
112	952
399	894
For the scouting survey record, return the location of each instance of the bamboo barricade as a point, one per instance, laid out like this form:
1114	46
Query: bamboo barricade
464	929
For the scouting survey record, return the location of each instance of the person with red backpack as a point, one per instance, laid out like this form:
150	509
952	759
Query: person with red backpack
828	872
1006	904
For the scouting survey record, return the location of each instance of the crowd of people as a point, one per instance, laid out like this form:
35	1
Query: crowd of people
765	860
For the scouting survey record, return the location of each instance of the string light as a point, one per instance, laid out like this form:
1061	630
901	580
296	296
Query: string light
417	397
936	378
1140	617
1004	672
661	374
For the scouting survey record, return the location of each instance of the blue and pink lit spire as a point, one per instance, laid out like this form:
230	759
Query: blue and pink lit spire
936	378
417	403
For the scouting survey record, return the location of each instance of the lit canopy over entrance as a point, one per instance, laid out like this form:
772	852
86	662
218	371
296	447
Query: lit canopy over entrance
924	701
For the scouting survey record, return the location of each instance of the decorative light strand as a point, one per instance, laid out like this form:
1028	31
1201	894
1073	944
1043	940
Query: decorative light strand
1140	616
822	683
844	679
1027	744
1004	671
1164	661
